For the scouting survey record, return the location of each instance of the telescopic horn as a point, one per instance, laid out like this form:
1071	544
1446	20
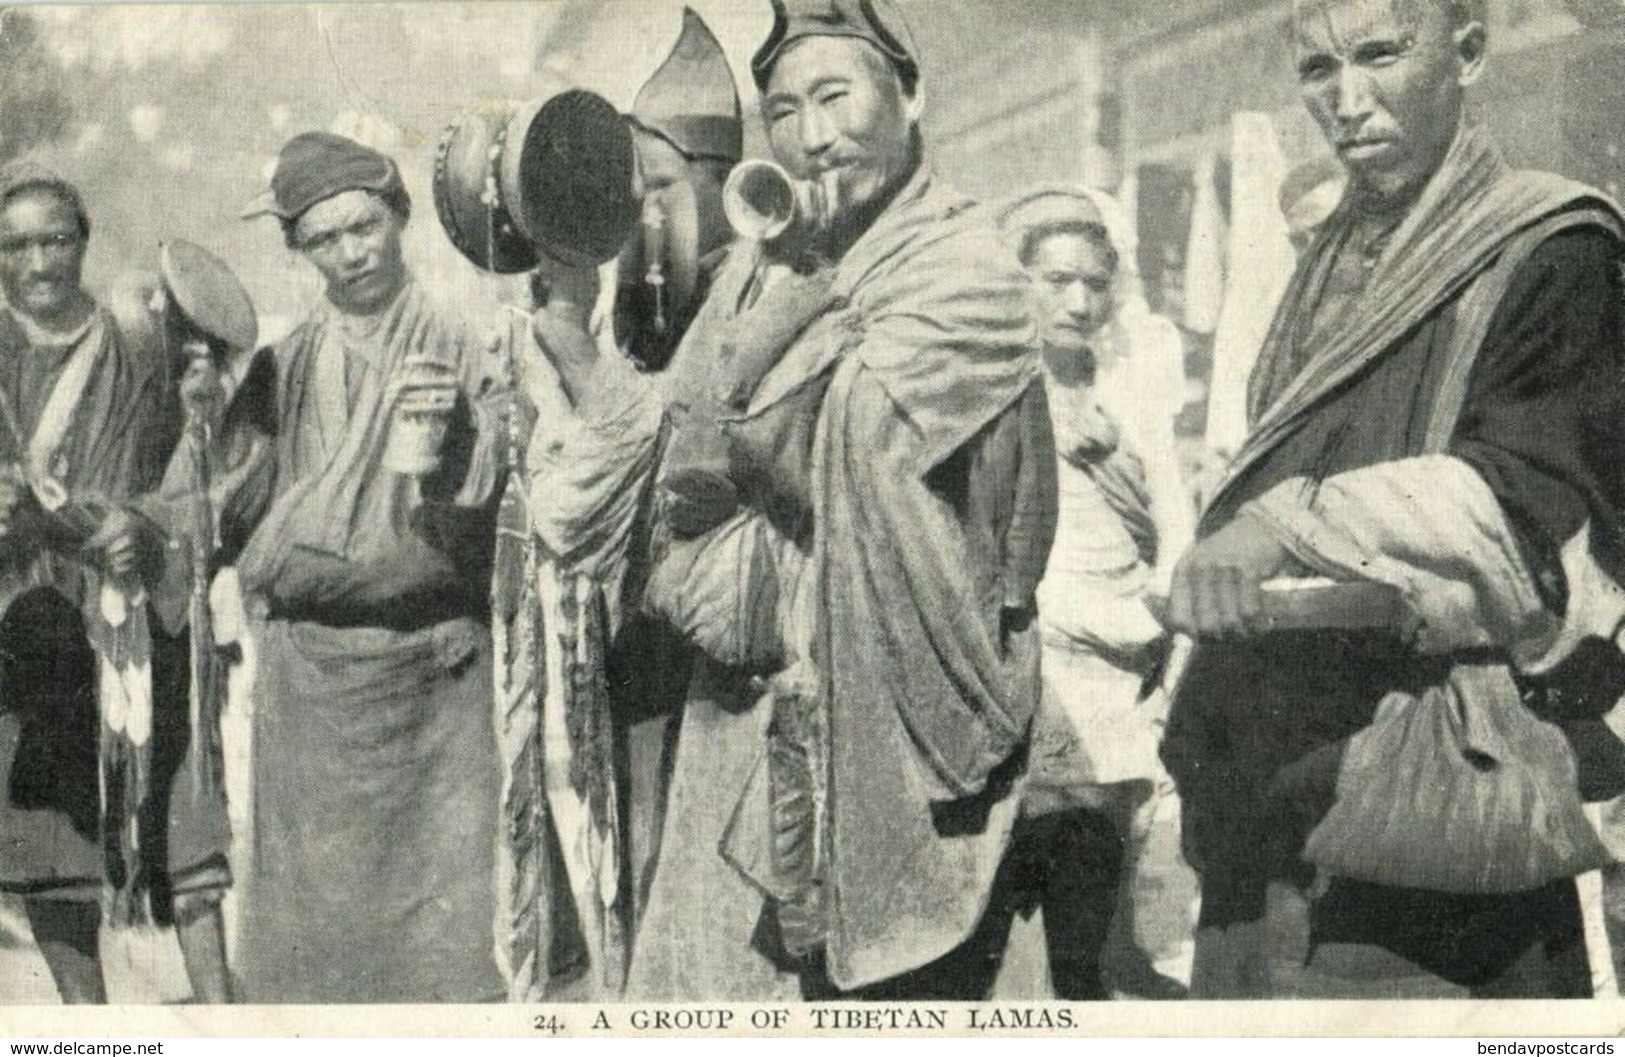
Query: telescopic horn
762	202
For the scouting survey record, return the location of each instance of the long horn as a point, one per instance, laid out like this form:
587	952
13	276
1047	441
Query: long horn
762	201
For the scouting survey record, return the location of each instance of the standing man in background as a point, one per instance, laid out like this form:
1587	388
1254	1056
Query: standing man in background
1100	816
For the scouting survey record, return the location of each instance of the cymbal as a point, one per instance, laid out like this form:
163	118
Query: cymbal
208	293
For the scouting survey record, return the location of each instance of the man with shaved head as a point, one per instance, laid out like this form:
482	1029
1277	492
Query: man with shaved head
1436	409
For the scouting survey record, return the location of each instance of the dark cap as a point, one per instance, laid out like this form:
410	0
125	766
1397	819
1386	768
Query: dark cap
314	166
691	101
26	174
876	21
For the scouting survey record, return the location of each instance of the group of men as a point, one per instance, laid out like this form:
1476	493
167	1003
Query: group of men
863	571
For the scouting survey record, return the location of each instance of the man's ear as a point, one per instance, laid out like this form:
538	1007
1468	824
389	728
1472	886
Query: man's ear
1472	41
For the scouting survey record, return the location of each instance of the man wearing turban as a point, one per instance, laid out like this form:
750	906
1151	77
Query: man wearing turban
1100	810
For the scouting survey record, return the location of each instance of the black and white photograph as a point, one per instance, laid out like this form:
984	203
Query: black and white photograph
996	506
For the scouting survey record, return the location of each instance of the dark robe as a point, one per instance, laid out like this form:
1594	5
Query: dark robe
121	430
1541	423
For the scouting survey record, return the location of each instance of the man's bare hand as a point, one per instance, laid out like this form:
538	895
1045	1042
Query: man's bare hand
560	327
118	541
1217	586
202	390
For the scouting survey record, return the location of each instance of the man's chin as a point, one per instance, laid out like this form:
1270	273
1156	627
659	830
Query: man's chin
1066	343
44	307
1387	184
855	194
367	296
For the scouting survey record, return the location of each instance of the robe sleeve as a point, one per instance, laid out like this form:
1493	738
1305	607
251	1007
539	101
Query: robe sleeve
1031	531
1544	419
590	471
1544	425
1533	463
1429	527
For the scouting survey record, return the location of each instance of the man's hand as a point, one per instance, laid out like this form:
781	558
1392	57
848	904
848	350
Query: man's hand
565	297
1216	590
118	541
203	392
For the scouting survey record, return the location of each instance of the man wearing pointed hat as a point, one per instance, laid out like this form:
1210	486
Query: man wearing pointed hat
100	818
363	549
858	599
1436	410
687	133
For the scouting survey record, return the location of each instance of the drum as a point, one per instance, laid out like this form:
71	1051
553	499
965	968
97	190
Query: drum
551	178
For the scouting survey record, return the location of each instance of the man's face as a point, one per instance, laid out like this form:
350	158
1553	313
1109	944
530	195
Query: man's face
1384	79
659	163
42	253
679	186
834	105
354	240
1074	277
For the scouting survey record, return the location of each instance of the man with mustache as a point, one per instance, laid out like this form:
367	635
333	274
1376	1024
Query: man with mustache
89	419
856	579
1436	409
375	772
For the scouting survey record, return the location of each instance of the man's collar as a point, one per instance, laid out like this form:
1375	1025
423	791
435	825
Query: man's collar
41	336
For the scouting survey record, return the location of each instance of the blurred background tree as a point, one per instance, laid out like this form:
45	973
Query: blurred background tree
33	85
